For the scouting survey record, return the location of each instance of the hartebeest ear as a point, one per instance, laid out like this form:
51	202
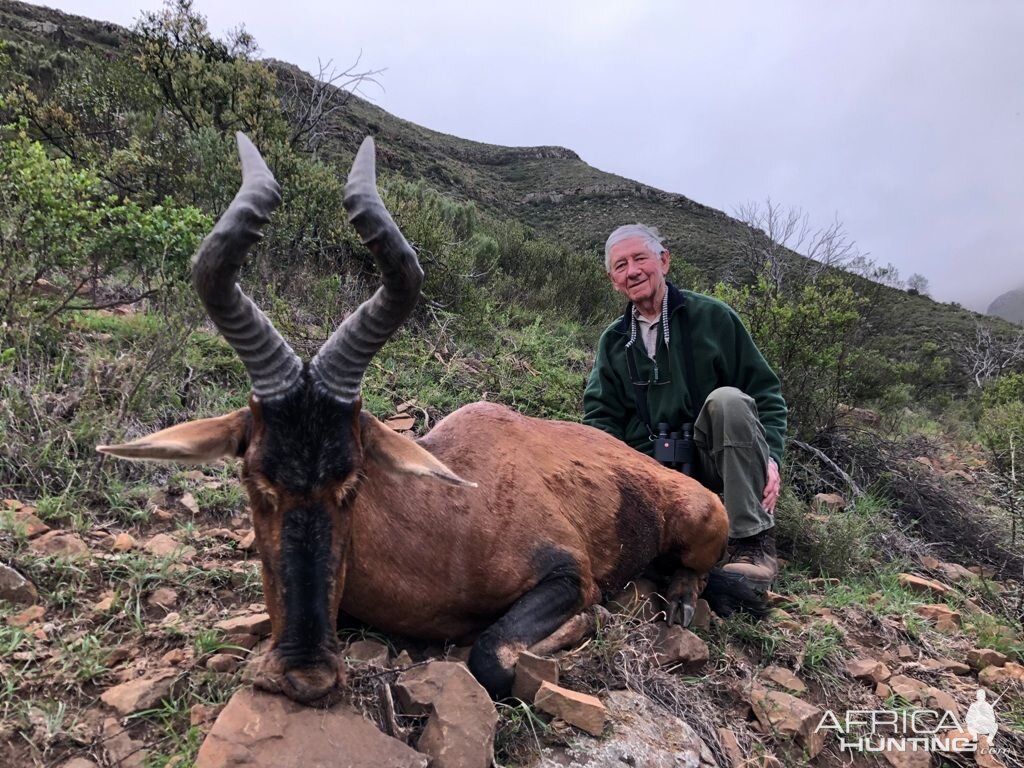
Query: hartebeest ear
400	454
194	442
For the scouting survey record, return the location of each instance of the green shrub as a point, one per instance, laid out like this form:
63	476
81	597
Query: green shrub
807	337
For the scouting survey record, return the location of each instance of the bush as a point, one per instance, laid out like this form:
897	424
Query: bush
62	231
837	545
807	338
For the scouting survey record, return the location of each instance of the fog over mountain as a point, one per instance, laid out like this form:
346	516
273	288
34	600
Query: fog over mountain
1009	306
905	119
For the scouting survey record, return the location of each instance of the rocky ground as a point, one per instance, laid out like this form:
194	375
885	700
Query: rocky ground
127	645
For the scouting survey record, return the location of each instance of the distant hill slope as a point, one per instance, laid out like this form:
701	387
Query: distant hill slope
1009	306
549	189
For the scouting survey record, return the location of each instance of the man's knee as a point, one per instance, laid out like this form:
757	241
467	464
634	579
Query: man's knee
731	404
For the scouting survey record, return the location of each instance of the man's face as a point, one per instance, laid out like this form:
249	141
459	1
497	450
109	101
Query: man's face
636	271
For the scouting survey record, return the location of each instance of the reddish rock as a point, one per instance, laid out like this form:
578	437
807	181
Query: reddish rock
27	616
23	522
786	620
368	653
942	616
922	586
59	544
984	757
460	730
905	653
955	667
163	597
221	533
201	714
250	624
788	716
248	541
701	616
579	709
402	660
531	671
165	545
939	700
955	740
173	657
222	662
116	656
143	693
122	750
909	688
15	588
829	502
784	678
106	605
244	641
261	730
188	501
909	758
979	658
731	748
643	735
678	646
123	542
997	677
868	669
79	762
953	572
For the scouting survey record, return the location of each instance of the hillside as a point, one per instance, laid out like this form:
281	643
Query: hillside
550	189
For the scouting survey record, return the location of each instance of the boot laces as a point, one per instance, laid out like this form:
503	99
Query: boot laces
750	550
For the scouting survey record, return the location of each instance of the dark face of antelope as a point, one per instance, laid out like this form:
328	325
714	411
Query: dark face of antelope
301	471
303	440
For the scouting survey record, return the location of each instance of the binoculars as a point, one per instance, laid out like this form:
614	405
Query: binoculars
675	449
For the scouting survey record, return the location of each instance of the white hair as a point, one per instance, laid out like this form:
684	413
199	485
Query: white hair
650	235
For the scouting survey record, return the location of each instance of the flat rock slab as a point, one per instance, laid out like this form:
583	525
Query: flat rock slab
460	730
59	544
787	716
143	693
15	588
262	730
579	709
642	735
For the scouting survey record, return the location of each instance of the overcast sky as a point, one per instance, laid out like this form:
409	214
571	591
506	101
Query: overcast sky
904	118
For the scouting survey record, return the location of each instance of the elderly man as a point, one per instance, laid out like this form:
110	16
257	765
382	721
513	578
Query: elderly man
677	357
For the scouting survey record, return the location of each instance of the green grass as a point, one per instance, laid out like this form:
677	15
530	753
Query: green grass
843	545
83	659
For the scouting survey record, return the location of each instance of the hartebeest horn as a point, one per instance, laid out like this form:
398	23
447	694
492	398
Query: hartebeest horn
272	365
342	360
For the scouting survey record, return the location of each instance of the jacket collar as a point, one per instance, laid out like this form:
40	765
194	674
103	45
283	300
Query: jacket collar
676	299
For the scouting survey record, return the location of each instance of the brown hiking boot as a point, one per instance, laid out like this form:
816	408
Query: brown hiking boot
753	558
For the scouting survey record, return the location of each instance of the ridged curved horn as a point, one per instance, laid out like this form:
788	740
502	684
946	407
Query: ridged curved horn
342	360
272	365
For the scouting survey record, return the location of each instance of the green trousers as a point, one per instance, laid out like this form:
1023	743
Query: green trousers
733	458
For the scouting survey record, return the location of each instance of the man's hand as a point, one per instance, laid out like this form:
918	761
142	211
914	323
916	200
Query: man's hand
771	488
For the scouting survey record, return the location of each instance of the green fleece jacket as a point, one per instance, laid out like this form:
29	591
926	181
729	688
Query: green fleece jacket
724	355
